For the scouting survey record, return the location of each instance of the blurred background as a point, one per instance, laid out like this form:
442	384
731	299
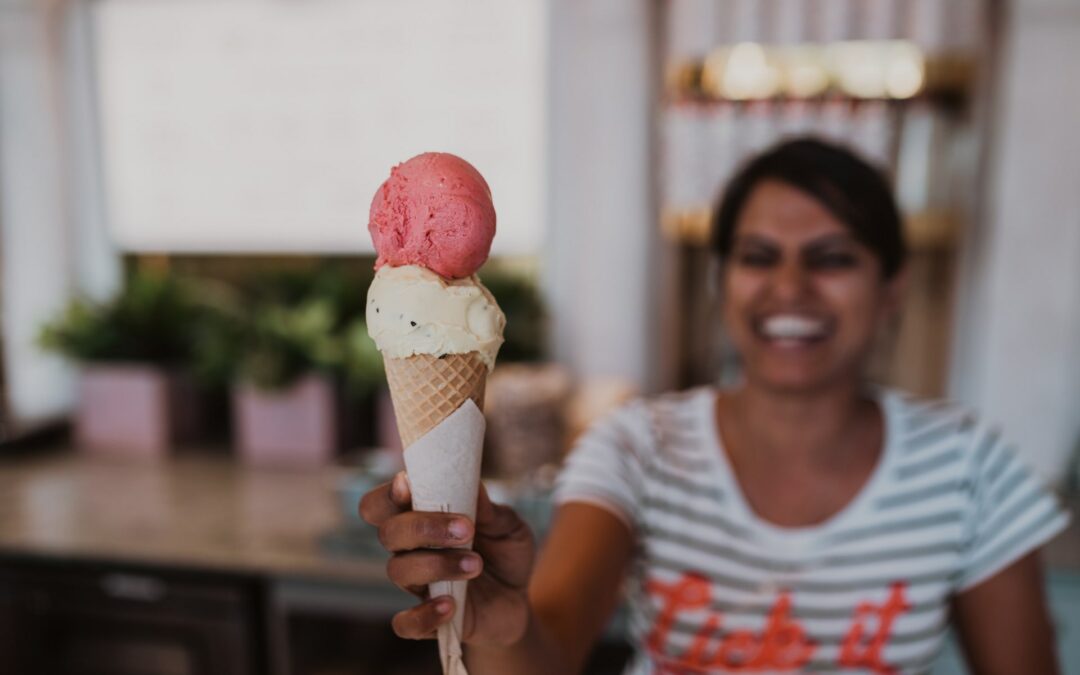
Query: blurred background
190	407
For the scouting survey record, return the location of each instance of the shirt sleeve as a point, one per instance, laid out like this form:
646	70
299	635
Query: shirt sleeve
605	466
1012	513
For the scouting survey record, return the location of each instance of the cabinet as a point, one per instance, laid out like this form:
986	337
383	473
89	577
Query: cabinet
78	620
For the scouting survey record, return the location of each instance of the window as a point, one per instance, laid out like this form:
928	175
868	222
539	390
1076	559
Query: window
243	126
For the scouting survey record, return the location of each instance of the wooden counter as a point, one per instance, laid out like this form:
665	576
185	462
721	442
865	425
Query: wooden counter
196	510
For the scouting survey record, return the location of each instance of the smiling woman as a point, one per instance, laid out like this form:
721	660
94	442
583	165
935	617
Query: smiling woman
800	520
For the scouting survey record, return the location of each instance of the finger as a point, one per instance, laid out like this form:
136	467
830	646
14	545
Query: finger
421	622
386	501
420	568
421	529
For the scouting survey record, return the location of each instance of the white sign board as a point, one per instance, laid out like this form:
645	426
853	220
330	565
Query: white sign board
267	125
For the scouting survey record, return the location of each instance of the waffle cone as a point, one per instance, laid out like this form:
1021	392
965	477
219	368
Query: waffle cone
425	389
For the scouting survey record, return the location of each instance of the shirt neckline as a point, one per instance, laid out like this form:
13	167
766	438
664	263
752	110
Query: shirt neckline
737	500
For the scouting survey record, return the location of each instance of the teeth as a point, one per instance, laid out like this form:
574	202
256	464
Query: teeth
793	327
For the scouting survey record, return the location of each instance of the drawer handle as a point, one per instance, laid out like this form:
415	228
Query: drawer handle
133	587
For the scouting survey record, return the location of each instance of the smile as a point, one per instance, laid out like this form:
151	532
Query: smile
792	329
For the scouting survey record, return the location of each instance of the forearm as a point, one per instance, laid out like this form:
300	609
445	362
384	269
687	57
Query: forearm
538	652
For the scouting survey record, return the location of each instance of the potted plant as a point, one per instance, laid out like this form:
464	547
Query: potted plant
283	396
135	393
299	365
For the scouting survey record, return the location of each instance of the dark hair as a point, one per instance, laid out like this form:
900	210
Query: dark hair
851	189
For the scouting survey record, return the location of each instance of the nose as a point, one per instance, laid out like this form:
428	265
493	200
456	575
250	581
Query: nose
789	282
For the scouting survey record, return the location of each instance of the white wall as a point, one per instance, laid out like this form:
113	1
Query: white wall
602	255
1020	352
265	127
34	252
52	240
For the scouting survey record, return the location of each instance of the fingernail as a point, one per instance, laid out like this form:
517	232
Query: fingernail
442	606
470	564
398	486
459	529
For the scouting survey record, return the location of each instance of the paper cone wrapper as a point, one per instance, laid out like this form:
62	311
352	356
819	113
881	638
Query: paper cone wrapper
437	404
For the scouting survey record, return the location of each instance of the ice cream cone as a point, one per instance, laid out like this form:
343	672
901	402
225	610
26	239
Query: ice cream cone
439	330
444	472
425	389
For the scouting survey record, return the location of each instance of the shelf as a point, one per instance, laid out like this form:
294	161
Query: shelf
847	71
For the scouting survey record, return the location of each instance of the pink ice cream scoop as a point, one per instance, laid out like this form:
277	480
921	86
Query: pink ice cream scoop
434	210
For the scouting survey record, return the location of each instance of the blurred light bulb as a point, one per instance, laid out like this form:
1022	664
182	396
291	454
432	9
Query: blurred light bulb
748	73
860	68
804	74
906	71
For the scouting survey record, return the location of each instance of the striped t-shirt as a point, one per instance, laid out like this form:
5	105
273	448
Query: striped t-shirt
714	588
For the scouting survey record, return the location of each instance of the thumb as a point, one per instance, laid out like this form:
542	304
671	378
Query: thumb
493	520
504	540
484	506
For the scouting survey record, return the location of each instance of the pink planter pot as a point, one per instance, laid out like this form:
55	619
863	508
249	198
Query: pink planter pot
296	426
134	410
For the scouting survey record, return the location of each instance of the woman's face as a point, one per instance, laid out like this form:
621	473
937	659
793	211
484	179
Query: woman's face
802	298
